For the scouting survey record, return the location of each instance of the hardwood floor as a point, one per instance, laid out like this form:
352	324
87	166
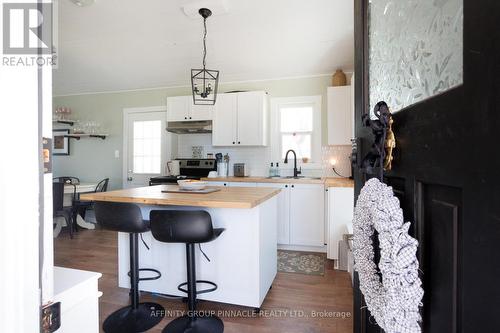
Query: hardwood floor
299	295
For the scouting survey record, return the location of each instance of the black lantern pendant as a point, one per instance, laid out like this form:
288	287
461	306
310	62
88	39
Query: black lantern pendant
204	81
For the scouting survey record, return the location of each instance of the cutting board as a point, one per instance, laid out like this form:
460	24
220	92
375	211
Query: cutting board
204	191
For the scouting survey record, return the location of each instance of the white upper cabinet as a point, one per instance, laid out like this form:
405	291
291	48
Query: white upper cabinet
252	118
182	108
178	108
200	112
240	119
340	115
223	128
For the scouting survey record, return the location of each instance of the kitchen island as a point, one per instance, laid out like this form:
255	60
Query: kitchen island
243	260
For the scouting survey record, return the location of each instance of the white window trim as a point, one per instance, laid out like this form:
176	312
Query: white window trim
278	102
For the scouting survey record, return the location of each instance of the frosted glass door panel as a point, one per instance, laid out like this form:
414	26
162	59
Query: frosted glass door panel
415	50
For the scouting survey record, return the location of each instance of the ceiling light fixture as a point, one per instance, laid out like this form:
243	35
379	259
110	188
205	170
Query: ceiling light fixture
204	82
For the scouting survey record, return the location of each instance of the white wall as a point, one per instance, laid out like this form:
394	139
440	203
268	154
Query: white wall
19	198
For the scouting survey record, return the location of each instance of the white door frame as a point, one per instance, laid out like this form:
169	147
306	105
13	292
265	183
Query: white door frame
126	114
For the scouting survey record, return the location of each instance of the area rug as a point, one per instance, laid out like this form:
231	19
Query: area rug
309	263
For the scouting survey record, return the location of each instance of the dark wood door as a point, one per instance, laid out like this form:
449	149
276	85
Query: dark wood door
445	174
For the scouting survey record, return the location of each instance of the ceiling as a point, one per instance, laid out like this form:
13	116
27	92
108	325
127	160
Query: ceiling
129	44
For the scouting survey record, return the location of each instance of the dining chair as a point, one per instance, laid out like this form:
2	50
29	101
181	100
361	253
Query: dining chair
80	207
102	186
58	206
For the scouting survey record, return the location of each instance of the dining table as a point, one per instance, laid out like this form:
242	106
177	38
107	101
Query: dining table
68	202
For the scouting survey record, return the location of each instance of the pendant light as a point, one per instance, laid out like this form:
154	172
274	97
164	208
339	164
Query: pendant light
204	81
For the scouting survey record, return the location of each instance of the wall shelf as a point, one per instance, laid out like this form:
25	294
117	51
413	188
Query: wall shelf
79	136
66	122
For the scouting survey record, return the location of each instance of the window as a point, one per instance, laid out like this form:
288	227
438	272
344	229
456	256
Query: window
147	146
298	126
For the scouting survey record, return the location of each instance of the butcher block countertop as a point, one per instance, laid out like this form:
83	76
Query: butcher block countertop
339	182
227	197
328	182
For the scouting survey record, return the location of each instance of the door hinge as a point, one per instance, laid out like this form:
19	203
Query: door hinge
51	317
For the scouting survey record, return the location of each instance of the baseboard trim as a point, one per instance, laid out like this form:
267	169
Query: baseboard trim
321	249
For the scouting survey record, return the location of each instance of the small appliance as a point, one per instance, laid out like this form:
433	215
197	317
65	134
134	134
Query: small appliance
239	170
173	168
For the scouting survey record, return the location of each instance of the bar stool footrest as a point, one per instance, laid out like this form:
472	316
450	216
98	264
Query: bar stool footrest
214	288
149	270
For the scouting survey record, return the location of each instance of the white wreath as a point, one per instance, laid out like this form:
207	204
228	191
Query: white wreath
394	302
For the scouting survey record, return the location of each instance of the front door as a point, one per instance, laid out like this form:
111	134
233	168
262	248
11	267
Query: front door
445	171
146	146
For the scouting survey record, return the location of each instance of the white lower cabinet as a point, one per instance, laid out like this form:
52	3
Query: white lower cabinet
78	293
301	219
340	215
283	211
233	184
307	219
242	184
218	183
301	212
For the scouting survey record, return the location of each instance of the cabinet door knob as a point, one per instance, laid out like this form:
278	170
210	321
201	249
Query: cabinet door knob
293	185
185	117
239	142
190	118
286	185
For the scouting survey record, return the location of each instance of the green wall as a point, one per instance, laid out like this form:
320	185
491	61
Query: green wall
94	159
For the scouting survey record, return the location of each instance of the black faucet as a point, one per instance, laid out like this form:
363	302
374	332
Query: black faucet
295	171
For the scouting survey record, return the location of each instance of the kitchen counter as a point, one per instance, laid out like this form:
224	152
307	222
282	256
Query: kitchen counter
152	195
339	182
329	182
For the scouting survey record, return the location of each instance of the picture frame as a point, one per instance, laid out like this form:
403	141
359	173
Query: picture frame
60	143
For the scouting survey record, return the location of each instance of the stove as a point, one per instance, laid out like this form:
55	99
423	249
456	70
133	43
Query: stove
190	169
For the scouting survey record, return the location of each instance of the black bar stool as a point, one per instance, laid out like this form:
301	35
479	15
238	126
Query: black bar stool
137	317
189	227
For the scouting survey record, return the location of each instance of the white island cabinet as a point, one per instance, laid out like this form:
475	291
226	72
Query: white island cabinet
243	259
283	222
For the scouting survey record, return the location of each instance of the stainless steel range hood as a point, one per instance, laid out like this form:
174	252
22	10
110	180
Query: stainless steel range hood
189	127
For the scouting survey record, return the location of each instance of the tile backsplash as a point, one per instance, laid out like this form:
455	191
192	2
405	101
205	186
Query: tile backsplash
257	159
339	155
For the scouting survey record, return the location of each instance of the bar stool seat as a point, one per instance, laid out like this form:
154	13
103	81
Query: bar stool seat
190	228
137	317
